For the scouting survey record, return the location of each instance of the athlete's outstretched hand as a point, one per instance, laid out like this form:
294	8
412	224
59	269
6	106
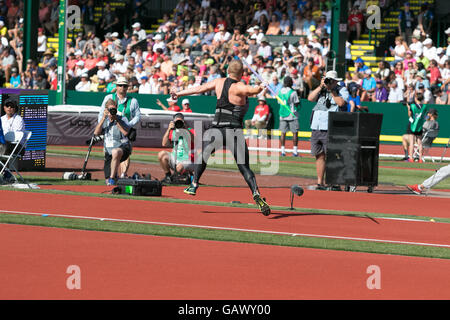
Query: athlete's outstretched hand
173	93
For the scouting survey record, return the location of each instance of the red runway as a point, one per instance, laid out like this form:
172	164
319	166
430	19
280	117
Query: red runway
123	266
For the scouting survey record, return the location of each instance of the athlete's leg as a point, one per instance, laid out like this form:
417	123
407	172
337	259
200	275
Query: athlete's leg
240	153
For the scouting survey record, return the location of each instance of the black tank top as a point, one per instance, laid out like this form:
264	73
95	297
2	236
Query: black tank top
227	114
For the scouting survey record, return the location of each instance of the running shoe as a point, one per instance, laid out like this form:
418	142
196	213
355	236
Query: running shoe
191	190
262	204
110	182
295	154
414	188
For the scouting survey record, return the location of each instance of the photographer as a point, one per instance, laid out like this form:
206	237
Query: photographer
181	160
126	106
117	147
330	97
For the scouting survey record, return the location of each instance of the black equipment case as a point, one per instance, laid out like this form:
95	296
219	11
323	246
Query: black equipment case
139	187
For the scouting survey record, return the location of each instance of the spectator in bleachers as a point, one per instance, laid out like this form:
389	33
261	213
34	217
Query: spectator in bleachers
429	51
137	29
172	105
355	21
360	66
381	93
416	45
435	73
441	57
84	85
145	86
399	50
368	85
109	19
406	23
395	93
425	19
311	74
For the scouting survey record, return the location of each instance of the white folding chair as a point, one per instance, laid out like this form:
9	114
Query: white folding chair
9	161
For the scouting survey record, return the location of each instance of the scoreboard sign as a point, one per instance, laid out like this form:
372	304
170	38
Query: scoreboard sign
33	108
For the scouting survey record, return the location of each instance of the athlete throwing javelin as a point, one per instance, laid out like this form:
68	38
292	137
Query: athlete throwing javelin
230	111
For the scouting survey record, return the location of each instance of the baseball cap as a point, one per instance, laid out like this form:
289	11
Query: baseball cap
185	101
136	25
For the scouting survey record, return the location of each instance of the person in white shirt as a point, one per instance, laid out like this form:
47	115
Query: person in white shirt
159	43
84	85
441	58
416	46
102	72
11	121
145	87
395	93
258	33
221	36
265	50
41	42
139	72
79	69
142	35
429	51
259	12
118	67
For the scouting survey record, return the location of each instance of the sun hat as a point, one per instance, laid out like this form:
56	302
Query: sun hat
122	81
332	75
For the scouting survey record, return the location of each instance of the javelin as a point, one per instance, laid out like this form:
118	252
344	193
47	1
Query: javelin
273	94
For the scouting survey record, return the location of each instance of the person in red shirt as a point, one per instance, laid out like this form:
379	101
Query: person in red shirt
260	116
91	61
435	74
355	20
185	104
172	105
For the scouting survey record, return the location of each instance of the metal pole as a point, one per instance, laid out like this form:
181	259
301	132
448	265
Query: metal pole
61	90
31	13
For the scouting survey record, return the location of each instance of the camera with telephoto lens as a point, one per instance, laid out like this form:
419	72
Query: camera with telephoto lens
327	81
95	139
179	124
113	111
70	176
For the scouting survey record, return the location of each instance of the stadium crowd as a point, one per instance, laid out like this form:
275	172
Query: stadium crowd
197	43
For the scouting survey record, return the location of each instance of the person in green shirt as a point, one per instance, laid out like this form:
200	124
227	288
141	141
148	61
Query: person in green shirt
417	113
288	114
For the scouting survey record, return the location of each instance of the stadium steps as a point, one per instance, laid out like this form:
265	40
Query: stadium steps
366	50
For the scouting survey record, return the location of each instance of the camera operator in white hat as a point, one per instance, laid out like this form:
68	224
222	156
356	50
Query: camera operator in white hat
127	107
329	97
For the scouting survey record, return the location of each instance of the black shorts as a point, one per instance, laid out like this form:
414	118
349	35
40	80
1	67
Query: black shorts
126	149
408	131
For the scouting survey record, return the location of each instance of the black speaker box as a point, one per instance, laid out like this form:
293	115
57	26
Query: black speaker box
139	187
353	148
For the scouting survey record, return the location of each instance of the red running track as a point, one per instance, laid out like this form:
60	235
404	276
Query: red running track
230	217
35	261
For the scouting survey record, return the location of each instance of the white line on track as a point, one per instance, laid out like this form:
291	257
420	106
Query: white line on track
228	228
